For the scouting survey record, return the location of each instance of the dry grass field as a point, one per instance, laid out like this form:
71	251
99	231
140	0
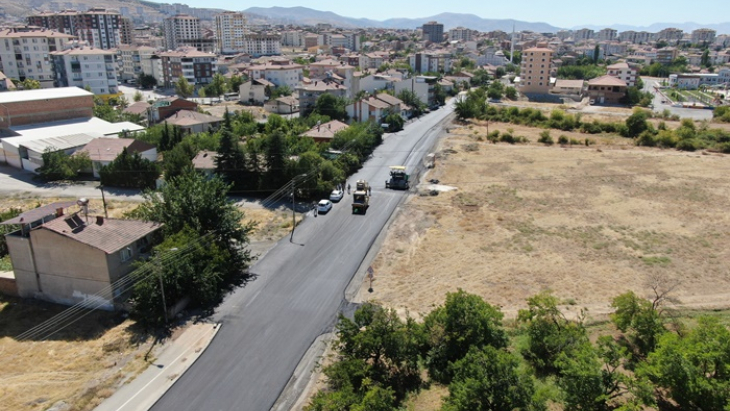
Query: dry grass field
587	223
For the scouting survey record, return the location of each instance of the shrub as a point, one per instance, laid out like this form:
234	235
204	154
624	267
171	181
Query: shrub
646	139
574	142
562	139
589	142
689	144
493	136
508	138
545	138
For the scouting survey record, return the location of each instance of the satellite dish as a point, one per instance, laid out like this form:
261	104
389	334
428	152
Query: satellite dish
82	202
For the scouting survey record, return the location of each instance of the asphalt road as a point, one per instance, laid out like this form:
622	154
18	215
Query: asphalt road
695	114
269	324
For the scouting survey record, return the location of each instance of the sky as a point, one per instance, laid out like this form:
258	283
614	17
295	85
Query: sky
559	13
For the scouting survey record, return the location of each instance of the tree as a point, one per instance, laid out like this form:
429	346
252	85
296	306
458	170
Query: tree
582	379
130	170
178	160
489	379
138	96
510	93
480	78
218	86
694	367
705	59
395	122
641	319
31	84
636	123
183	88
410	98
495	90
146	81
276	160
464	321
122	102
58	165
332	106
439	94
230	162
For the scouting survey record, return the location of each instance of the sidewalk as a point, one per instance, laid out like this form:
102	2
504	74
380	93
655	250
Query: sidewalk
144	391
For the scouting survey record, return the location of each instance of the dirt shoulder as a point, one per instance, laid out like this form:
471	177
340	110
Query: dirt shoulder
587	223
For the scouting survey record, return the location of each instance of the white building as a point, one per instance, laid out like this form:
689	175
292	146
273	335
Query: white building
292	38
279	71
26	53
607	35
461	34
703	36
180	30
132	58
262	44
86	67
624	72
230	29
152	66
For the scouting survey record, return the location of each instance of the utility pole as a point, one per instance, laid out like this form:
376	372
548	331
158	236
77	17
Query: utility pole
103	200
162	288
293	205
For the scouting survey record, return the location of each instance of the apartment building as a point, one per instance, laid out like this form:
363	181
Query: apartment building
25	53
196	66
461	34
86	67
624	72
635	37
279	71
606	34
99	27
666	55
309	93
262	44
292	38
535	70
132	60
433	32
703	36
670	34
431	62
153	67
583	35
230	28
180	30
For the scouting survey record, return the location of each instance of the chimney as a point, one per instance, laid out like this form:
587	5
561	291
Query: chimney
59	212
99	220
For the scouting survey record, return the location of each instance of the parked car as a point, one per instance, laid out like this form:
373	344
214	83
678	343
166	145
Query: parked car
336	195
324	206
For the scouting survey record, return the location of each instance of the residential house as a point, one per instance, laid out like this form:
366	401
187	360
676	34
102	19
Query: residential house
666	55
310	92
5	83
573	88
606	90
205	163
103	151
196	66
624	72
255	91
164	108
279	71
282	105
324	133
421	86
193	122
140	108
71	259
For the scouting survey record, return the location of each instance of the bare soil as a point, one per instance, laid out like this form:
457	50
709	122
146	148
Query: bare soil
588	223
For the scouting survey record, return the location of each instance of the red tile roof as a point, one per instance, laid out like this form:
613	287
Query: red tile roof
107	149
38	213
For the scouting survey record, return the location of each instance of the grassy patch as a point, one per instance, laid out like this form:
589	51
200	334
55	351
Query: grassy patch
656	260
5	264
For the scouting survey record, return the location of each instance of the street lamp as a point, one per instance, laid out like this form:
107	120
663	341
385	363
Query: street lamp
293	204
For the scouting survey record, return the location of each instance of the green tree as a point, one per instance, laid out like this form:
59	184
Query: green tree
276	160
31	84
489	379
410	98
582	379
495	90
230	162
694	367
332	106
464	321
439	94
183	88
146	81
705	59
179	159
130	170
58	165
637	123
138	96
510	93
549	333
641	319
395	122
218	86
480	78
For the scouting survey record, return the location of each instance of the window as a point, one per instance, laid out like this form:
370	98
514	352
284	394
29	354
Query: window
125	254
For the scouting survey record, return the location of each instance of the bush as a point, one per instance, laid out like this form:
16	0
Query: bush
646	139
562	139
493	136
545	138
508	138
58	165
689	144
574	142
130	170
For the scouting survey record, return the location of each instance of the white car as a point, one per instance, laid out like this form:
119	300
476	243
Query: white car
324	206
336	195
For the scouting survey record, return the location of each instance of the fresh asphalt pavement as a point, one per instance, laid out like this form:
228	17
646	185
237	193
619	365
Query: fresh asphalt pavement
298	289
662	103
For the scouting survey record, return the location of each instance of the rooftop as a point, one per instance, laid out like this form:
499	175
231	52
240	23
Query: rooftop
92	126
60	142
326	130
607	81
205	160
43	94
38	213
191	118
107	149
106	234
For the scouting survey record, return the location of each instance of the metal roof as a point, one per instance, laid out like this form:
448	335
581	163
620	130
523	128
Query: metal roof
60	142
42	94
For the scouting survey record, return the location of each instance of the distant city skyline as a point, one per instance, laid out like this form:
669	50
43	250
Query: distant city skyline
565	13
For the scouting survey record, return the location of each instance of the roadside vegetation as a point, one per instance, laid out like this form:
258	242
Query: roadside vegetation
687	137
645	357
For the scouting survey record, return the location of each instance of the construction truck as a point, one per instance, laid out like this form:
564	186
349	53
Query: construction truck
398	178
361	197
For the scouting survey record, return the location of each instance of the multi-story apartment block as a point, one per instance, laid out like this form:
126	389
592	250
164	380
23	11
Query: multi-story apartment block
666	55
126	28
196	66
86	67
99	27
564	34
132	58
262	44
230	29
152	66
433	32
309	93
635	37
25	53
352	40
292	38
279	71
583	35
669	34
624	72
180	30
703	36
606	34
535	70
312	40
461	34
431	62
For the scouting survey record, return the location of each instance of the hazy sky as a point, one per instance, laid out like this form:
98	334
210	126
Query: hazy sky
560	13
